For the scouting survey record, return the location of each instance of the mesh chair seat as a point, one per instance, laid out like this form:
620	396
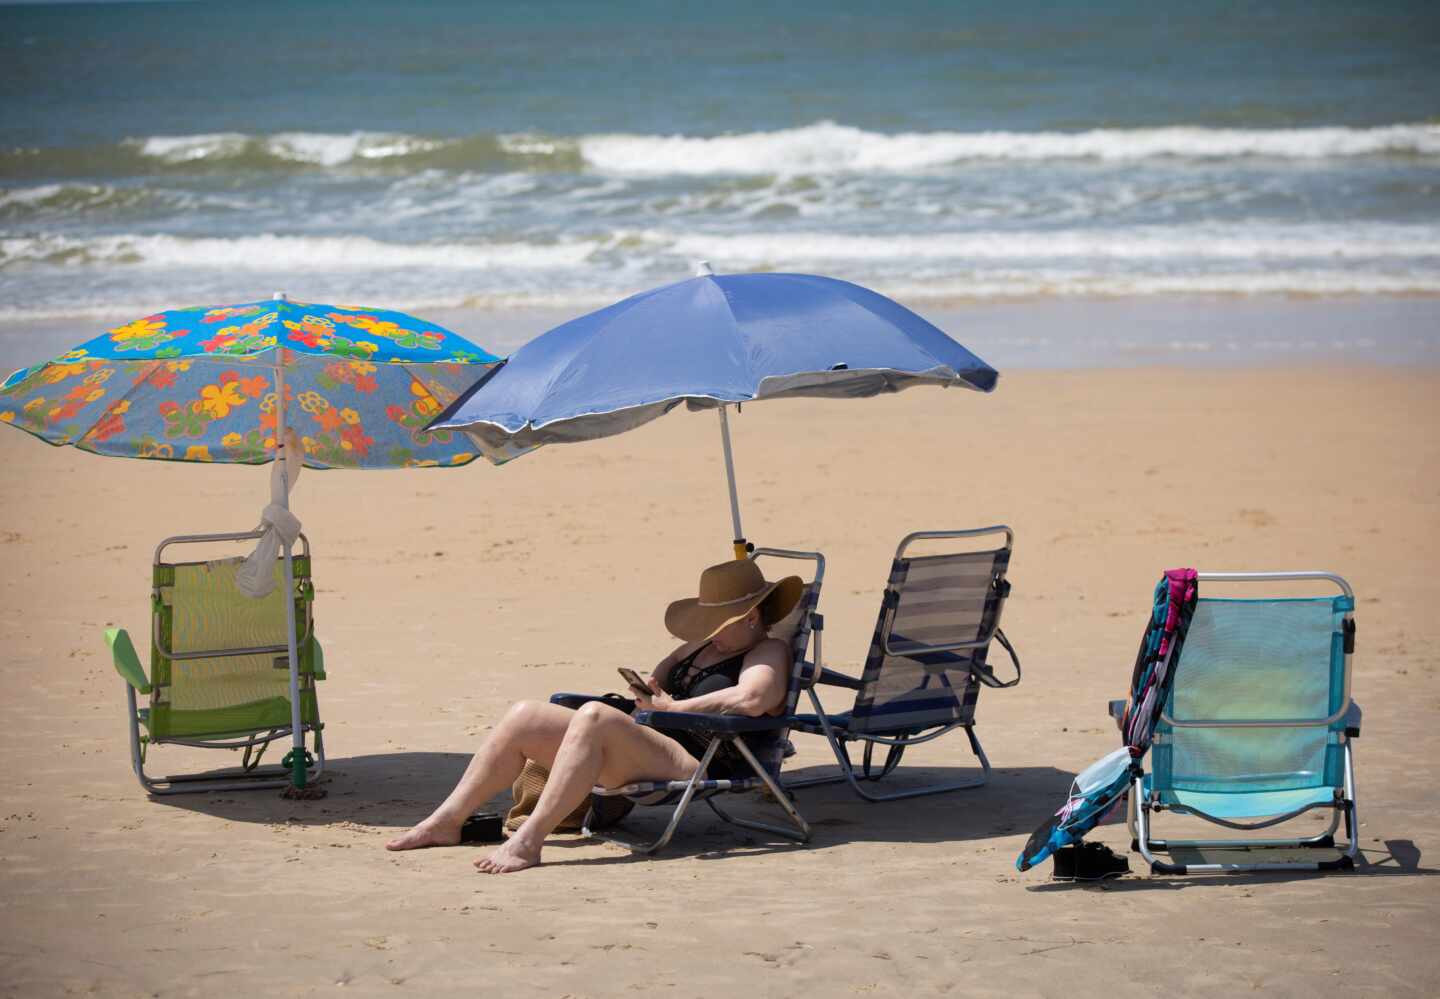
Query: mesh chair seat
1251	805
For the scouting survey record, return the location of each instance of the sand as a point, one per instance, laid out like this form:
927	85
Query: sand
443	596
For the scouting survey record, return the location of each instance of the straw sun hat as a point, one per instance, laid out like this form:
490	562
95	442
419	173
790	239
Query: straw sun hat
728	592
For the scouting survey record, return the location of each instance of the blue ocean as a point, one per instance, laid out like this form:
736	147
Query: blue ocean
561	154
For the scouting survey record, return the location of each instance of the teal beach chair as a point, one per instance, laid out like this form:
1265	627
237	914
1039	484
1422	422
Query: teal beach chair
219	669
1256	730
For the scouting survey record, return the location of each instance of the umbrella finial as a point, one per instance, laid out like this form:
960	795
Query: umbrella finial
702	269
280	296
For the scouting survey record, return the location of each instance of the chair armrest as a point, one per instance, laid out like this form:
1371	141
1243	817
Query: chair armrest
831	678
691	721
576	700
127	663
1353	717
317	662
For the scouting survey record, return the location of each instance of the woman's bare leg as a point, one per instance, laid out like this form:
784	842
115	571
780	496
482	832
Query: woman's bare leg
530	730
601	746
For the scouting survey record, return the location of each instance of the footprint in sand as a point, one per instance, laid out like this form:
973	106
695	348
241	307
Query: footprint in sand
1256	517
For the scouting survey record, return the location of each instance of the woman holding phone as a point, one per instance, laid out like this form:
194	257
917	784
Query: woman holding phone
729	664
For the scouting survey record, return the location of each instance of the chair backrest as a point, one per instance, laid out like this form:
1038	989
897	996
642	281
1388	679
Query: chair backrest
199	609
932	636
1259	696
796	628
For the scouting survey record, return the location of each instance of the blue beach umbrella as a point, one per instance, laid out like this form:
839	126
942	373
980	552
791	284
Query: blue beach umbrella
354	386
710	342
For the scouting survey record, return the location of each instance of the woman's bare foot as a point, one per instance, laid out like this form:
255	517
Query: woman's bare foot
431	832
514	855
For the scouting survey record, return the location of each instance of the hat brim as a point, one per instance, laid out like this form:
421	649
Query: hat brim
690	622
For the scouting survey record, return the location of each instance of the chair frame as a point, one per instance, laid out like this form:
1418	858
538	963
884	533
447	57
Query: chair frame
838	738
251	775
721	730
1139	818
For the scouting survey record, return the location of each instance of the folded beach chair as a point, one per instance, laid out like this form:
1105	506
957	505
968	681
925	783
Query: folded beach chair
927	661
761	742
219	669
1256	728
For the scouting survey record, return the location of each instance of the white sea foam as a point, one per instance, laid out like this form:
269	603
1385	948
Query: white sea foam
36	195
316	254
826	147
1138	243
823	147
321	149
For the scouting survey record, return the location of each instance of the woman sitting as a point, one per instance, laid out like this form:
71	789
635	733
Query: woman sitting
728	665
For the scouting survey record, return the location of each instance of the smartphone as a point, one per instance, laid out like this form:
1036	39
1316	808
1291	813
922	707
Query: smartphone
634	679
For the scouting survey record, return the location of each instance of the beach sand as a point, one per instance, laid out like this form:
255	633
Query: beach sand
444	596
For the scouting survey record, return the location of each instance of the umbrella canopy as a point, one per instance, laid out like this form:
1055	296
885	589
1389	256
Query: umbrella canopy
201	384
709	341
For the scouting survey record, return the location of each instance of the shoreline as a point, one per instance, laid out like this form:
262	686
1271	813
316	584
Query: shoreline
1034	334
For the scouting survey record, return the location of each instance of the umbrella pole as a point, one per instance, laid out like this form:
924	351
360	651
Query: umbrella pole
297	731
742	547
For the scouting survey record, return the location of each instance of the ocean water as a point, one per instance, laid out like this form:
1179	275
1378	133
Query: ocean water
451	155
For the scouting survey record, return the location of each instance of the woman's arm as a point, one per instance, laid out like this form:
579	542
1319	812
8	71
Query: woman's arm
760	689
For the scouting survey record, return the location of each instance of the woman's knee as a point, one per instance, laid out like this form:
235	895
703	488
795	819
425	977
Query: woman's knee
522	715
600	713
595	719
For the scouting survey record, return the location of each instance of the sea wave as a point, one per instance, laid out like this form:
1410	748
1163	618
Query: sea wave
826	147
820	148
1135	243
268	253
1175	247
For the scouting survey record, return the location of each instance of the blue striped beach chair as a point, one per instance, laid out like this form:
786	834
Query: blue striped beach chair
220	669
761	742
926	664
1256	729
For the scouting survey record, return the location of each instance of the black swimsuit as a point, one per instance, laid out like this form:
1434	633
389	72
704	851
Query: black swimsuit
687	680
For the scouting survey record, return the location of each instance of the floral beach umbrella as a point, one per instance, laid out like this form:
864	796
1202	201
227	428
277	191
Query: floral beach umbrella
354	387
203	384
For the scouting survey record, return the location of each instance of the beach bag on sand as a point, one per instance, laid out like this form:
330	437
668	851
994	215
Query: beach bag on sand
531	783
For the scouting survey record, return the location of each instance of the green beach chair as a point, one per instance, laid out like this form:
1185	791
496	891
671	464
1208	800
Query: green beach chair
219	669
1256	729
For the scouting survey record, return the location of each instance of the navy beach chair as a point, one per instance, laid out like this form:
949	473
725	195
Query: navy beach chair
761	742
926	664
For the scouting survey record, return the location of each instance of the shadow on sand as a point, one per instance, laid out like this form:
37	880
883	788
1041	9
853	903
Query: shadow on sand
396	790
1399	858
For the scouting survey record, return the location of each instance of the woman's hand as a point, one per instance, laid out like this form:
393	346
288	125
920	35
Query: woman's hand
655	700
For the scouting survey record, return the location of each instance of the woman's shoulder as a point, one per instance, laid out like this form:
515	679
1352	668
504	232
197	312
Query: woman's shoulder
768	650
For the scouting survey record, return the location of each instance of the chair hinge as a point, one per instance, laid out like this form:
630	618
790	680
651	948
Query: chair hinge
1349	628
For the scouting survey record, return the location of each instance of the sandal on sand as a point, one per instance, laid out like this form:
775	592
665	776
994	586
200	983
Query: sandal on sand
1089	862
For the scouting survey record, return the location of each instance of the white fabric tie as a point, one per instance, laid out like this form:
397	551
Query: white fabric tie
256	578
